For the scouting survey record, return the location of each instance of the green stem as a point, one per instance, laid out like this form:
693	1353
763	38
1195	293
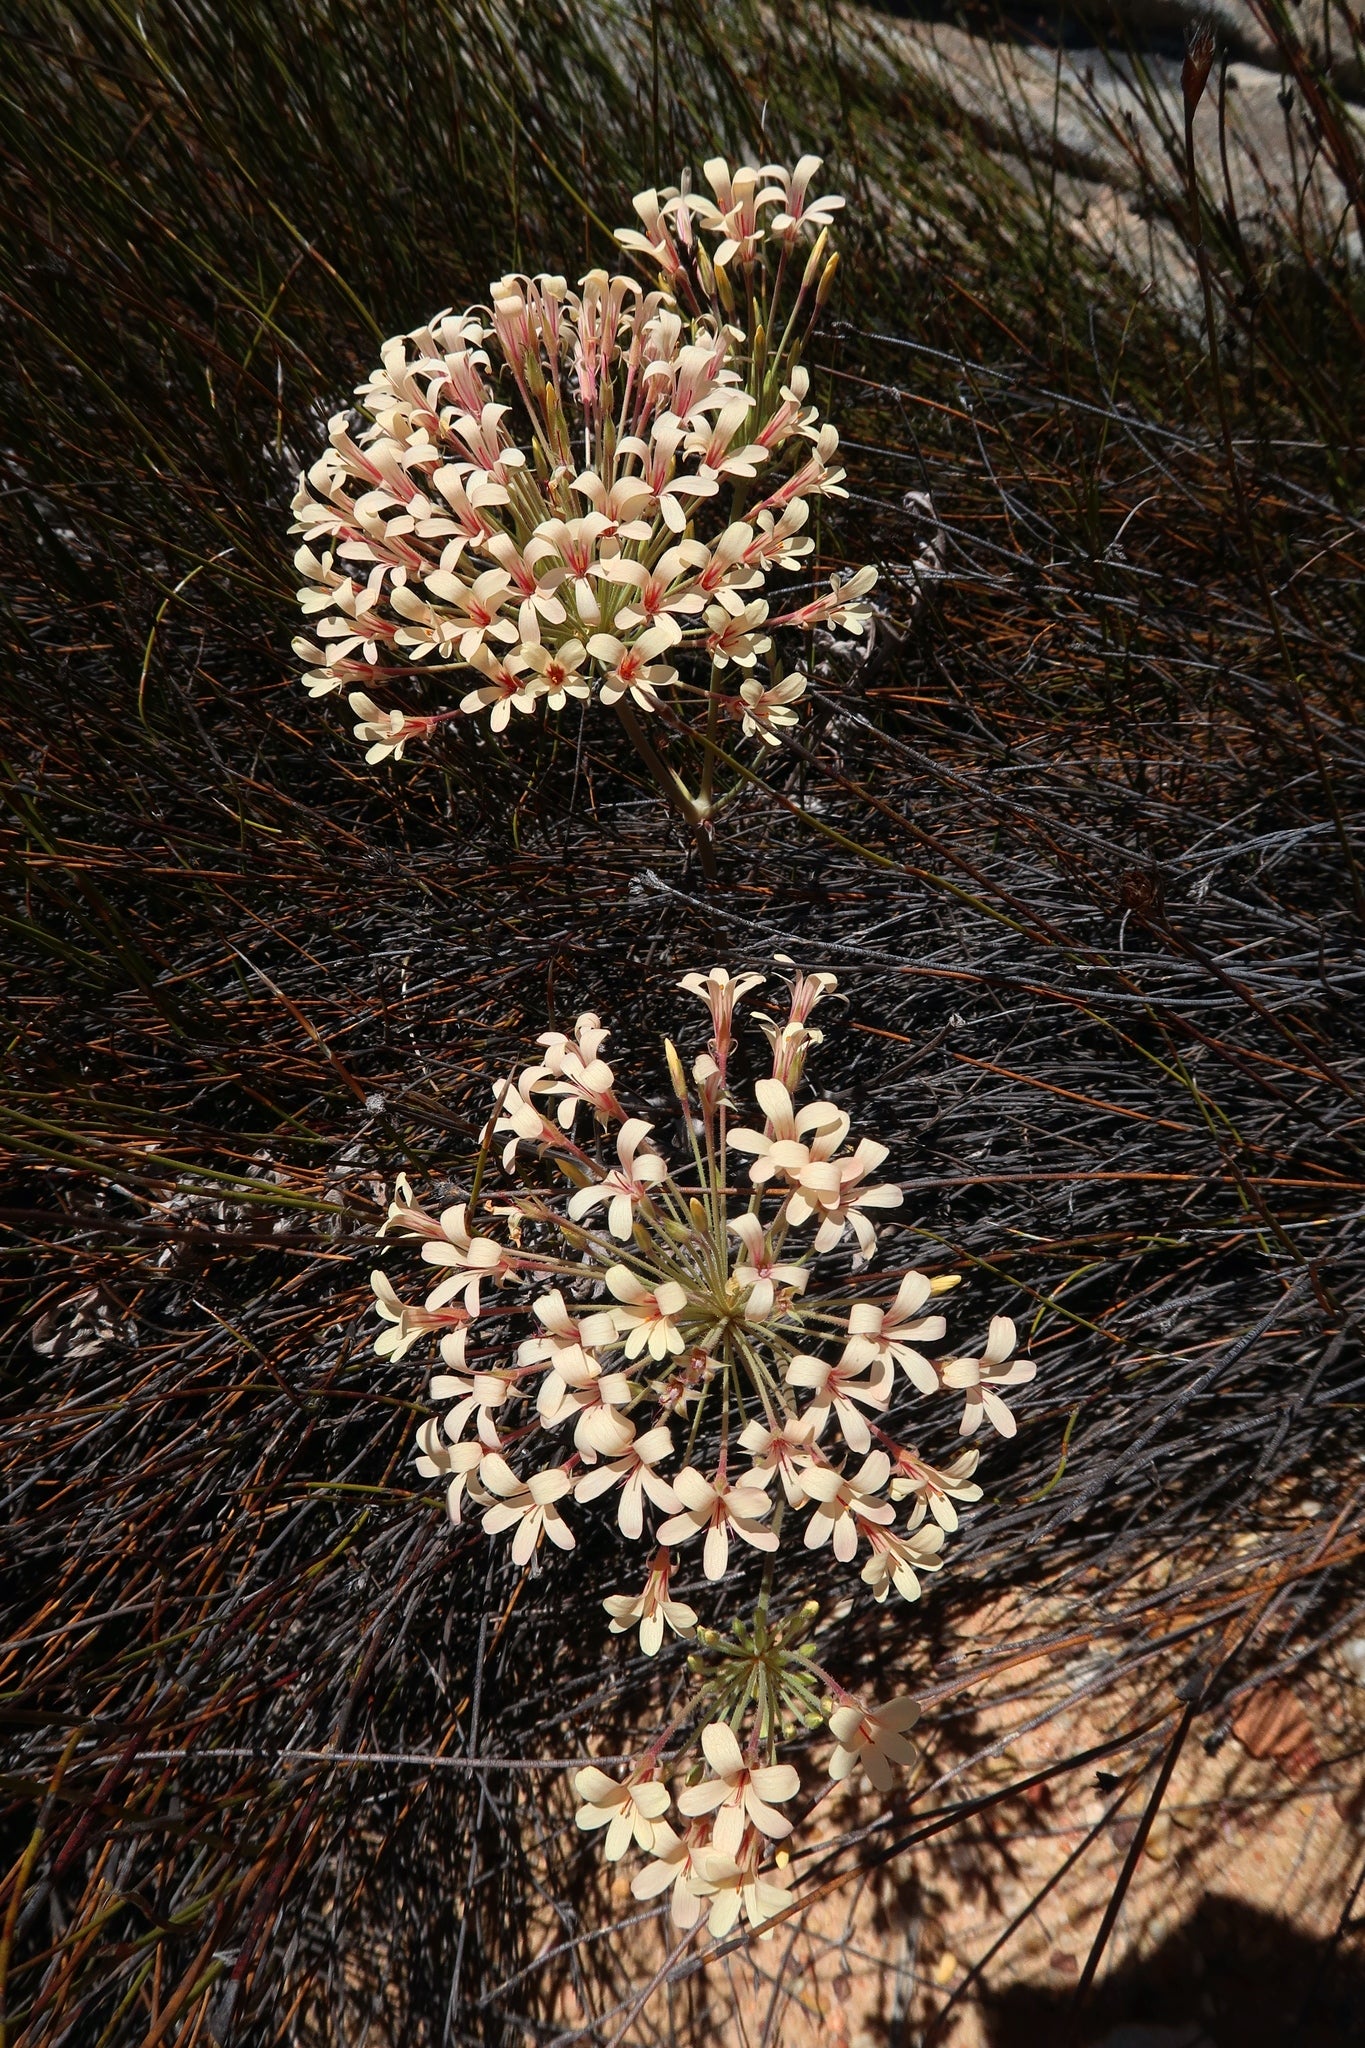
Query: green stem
674	789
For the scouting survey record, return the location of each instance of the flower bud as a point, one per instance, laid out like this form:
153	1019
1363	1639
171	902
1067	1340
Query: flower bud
827	281
815	259
675	1071
944	1283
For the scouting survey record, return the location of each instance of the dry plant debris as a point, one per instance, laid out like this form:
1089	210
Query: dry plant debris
1078	833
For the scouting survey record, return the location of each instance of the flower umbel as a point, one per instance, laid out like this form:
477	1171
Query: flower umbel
686	1340
586	490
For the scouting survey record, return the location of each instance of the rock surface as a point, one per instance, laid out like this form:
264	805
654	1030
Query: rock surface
1109	130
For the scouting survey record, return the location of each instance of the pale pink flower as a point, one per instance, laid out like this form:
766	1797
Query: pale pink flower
718	1508
620	504
472	1260
979	1377
602	1428
661	592
458	1464
572	1070
628	1811
567	1348
631	670
898	1560
889	1334
720	991
872	1740
798	1144
912	1476
530	1506
839	606
727	567
477	607
816	478
634	1473
785	1450
792	416
487	444
626	1186
836	1388
559	671
847	1504
389	731
798	210
712	441
520	1116
482	1397
735	630
406	1323
650	1609
739	194
842	1207
672	1865
766	708
509	688
740	1790
573	545
647	1316
656	242
759	1272
533	589
730	1884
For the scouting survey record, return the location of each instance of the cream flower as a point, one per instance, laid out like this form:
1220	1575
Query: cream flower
628	1811
848	1504
647	1316
634	1473
979	1377
673	1866
798	1144
766	709
759	1272
738	1791
731	1885
573	1070
650	1609
472	1260
567	1349
389	731
872	1740
720	991
836	1387
912	1476
626	1186
717	1507
842	1208
735	630
631	670
786	1450
888	1335
406	1324
480	1397
457	1464
898	1560
798	210
530	1506
558	671
509	688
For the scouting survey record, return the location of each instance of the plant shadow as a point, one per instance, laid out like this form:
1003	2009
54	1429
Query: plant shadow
1230	1977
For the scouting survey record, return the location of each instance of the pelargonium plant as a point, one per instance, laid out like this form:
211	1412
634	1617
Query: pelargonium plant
578	493
705	1346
